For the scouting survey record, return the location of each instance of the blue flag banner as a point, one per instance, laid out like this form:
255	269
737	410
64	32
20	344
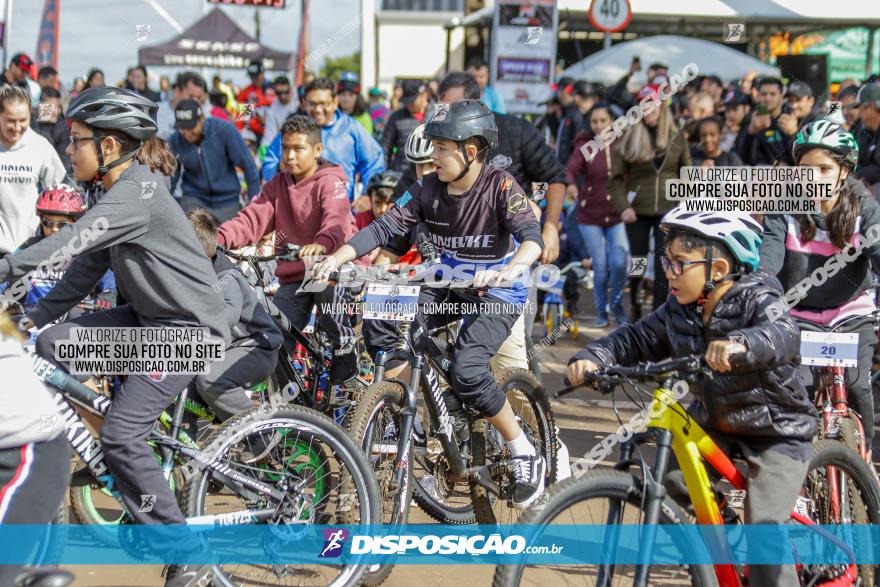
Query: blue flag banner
441	544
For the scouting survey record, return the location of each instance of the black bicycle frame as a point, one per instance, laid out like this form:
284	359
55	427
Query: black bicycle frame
71	392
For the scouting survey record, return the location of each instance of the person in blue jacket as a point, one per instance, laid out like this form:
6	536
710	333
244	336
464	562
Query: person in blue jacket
346	142
209	150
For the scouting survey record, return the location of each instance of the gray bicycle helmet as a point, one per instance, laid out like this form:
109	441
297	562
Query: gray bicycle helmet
109	108
461	121
386	179
418	148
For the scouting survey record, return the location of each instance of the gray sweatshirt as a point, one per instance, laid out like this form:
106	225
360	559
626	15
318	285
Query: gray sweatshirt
28	413
139	231
250	324
25	168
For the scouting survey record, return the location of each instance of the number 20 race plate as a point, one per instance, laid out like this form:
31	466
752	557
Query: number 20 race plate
836	349
391	302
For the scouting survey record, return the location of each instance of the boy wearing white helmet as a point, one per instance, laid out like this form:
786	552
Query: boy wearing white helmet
717	308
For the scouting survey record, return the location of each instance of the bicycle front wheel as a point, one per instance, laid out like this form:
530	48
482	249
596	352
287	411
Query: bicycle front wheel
322	473
840	489
594	499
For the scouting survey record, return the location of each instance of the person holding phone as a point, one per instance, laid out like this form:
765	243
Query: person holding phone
767	134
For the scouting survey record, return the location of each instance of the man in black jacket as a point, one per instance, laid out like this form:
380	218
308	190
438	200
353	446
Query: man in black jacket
868	137
401	123
768	132
49	121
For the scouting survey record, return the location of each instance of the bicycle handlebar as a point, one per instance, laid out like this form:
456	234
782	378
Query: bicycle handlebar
290	253
609	377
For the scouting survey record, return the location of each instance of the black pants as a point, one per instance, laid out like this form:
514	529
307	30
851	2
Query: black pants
638	234
225	387
479	338
858	379
133	413
33	480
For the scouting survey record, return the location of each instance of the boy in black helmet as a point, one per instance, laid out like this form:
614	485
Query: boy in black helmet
472	213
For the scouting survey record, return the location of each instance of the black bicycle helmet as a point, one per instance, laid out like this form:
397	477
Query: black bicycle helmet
386	179
461	121
109	108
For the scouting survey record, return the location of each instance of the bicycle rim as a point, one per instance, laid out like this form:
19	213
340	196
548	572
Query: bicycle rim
328	483
593	499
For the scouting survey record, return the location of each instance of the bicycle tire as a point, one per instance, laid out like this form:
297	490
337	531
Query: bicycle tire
614	485
389	395
484	438
862	488
337	443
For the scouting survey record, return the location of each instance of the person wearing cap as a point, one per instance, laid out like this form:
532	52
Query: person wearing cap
209	150
17	72
28	162
188	85
479	70
379	111
572	118
283	106
802	103
346	142
401	123
255	94
736	108
348	96
868	135
617	93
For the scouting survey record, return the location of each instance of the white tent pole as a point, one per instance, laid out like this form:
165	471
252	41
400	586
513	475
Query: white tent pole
7	31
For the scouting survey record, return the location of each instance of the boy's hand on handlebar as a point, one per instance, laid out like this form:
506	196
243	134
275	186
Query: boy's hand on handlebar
25	324
578	370
312	250
718	354
321	271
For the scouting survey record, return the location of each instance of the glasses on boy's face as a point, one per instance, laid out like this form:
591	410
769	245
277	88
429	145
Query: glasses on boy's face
677	267
52	225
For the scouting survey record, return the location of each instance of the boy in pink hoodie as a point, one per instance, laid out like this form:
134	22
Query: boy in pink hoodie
305	204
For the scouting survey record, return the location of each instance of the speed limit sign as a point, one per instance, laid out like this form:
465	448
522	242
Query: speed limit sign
610	16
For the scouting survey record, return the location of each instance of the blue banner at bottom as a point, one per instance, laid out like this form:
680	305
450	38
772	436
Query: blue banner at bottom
441	544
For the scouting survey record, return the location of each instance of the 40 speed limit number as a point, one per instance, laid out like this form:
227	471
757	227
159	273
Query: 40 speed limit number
610	16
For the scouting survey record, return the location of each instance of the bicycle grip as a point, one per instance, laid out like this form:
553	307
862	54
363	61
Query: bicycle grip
742	361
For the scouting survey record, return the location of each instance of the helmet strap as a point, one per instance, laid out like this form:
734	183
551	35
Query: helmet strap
709	285
104	169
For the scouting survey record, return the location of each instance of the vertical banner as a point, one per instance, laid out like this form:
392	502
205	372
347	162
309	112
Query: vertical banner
5	5
303	48
524	53
47	43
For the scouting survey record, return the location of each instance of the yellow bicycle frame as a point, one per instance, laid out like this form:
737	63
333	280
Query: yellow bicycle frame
692	446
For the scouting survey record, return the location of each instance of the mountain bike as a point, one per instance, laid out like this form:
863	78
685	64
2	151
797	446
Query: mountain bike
310	463
471	451
838	482
302	374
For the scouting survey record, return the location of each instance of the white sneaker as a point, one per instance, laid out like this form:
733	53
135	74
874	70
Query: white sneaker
563	467
529	472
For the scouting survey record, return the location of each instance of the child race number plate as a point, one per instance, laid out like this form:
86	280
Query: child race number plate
391	302
836	349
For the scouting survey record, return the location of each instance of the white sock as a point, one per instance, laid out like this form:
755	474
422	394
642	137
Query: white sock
520	446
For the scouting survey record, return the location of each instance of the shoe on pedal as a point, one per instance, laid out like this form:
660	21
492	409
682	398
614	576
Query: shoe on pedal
528	473
260	447
189	576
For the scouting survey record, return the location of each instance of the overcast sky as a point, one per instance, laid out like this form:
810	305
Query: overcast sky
101	32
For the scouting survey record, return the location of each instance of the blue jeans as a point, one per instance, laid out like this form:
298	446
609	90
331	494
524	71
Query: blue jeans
609	249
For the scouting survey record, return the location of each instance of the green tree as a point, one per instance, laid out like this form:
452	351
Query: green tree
333	66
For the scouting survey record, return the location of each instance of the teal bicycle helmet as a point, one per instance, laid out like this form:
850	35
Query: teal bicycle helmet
827	134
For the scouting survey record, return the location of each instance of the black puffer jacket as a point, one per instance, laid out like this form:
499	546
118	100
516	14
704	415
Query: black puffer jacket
522	153
767	404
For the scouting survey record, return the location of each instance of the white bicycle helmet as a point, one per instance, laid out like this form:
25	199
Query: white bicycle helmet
418	148
738	231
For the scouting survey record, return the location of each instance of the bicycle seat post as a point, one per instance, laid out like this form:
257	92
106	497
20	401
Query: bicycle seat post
379	363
